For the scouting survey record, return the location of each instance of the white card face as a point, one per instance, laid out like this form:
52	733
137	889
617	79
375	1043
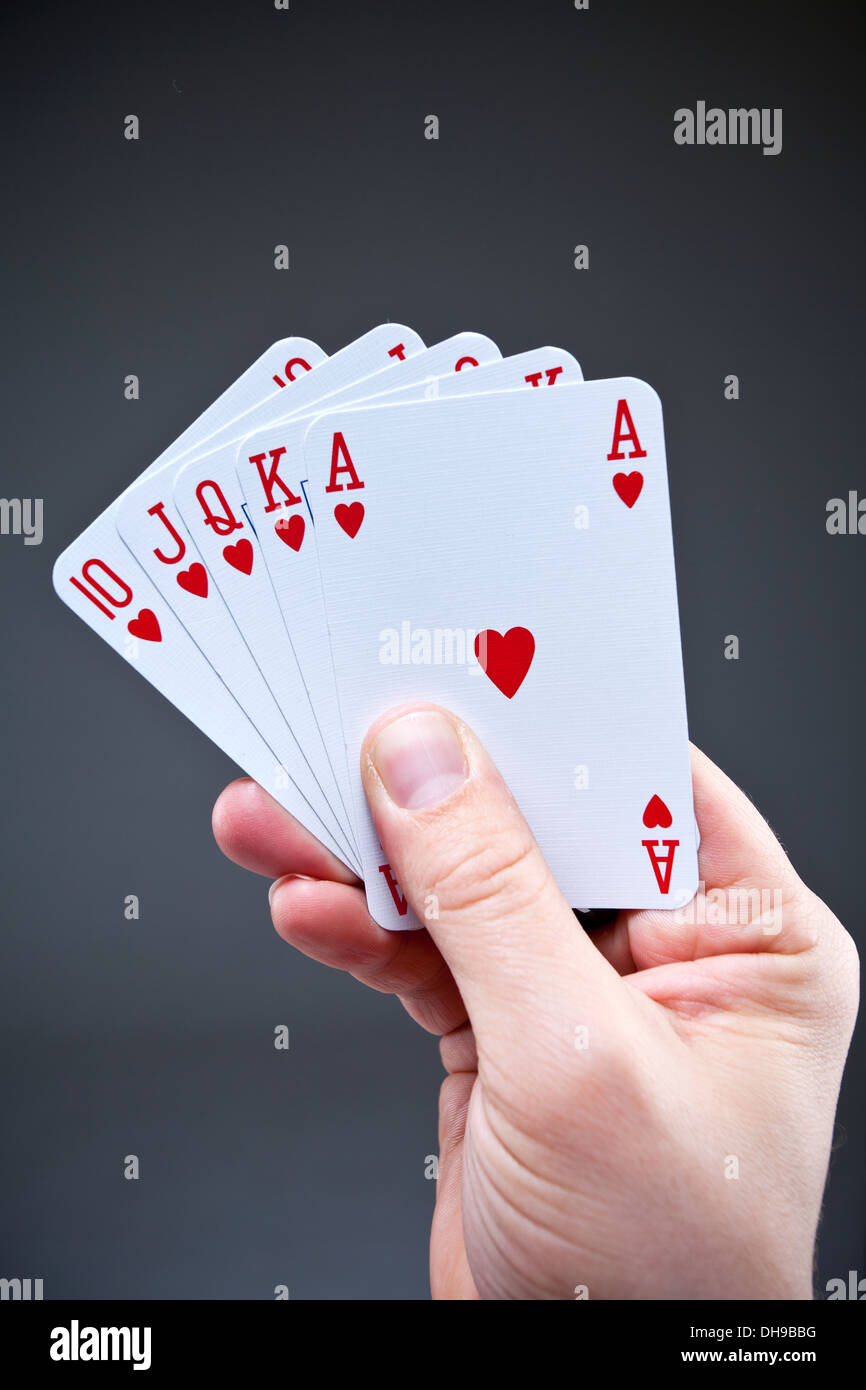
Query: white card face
211	512
270	470
513	561
154	531
100	580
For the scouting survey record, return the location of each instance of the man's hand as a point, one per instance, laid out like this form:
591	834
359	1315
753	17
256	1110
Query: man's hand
644	1112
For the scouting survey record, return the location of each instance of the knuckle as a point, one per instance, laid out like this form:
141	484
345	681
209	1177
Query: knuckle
847	972
828	931
502	872
830	961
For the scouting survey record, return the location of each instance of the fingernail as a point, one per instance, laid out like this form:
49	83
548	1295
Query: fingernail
278	883
419	759
274	886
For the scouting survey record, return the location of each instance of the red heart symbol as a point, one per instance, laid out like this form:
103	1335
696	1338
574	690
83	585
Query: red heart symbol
145	626
194	580
239	556
628	487
507	659
291	530
657	813
349	517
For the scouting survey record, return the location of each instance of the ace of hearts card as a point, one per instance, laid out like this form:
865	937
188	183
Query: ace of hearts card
510	557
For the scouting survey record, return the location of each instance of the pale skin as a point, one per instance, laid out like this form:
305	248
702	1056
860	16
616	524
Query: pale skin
644	1111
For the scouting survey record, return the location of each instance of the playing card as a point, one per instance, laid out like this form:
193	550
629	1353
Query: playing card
98	578
510	557
270	470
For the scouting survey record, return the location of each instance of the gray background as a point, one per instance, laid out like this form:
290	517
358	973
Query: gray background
306	127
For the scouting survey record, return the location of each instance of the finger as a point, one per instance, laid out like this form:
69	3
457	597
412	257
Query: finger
458	844
450	1275
253	830
750	899
458	1050
330	923
736	841
613	941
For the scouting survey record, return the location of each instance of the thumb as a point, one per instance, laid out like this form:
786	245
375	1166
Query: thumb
456	841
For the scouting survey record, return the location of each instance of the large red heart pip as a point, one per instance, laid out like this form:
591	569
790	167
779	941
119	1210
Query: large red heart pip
194	580
657	813
239	556
628	487
145	626
291	530
506	659
349	517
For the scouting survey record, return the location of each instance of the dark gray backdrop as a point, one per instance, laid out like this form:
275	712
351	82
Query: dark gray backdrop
306	127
